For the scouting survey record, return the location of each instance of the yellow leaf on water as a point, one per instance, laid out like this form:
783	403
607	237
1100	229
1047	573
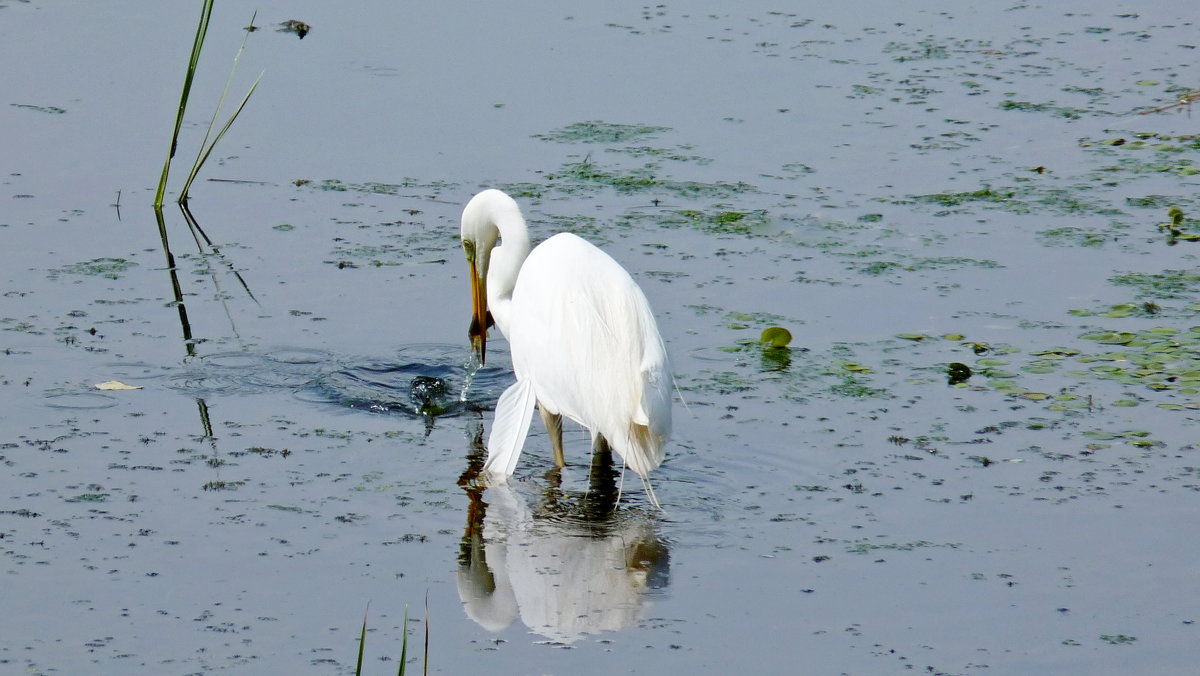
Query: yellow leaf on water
116	385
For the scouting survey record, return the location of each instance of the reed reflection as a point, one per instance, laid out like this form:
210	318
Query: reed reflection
571	565
201	239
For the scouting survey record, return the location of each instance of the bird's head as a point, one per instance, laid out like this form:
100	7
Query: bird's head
479	236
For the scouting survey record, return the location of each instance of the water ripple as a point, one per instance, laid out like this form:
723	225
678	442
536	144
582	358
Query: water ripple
80	400
426	380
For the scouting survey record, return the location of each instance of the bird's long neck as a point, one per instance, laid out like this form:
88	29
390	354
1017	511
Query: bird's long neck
505	266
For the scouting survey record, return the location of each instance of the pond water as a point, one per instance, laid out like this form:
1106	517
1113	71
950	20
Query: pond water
977	455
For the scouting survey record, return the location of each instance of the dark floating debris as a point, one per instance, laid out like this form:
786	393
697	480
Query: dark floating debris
292	26
957	372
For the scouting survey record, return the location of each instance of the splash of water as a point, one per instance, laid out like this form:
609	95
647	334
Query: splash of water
473	365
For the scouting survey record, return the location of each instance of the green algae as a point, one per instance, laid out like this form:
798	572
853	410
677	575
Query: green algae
601	132
1168	284
109	268
726	222
404	188
587	175
1054	109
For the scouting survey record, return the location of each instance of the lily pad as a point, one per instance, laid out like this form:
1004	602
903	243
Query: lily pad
776	336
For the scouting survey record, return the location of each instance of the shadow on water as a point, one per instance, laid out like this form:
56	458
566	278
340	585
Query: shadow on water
568	566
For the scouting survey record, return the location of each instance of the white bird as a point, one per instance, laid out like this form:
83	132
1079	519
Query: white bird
584	343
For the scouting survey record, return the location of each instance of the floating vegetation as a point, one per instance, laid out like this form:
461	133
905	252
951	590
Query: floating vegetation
884	267
954	199
671	154
776	355
926	49
1162	359
1054	109
1150	201
89	497
601	132
869	547
1147	141
744	320
1139	438
1122	310
588	227
404	188
1170	284
374	255
775	336
1159	359
1074	236
722	222
109	268
855	388
1024	198
719	382
1180	228
1163	362
586	174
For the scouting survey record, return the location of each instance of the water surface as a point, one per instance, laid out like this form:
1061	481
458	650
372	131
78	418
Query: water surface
903	189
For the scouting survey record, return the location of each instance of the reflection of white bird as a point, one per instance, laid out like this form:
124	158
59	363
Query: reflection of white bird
584	343
564	578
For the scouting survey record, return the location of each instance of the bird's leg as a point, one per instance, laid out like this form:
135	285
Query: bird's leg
601	498
602	462
553	423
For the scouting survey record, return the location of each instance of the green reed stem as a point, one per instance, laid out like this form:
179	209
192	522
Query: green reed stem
197	44
206	148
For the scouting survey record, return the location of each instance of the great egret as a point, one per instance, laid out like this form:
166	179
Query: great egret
584	343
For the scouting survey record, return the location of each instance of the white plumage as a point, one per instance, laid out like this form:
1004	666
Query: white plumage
584	343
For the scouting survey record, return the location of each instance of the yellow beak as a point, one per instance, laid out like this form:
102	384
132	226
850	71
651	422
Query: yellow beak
480	319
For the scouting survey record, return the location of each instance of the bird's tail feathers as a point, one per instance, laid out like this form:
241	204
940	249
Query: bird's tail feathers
643	449
650	493
514	411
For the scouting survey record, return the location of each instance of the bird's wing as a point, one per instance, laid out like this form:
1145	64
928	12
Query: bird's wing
514	410
657	387
588	342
